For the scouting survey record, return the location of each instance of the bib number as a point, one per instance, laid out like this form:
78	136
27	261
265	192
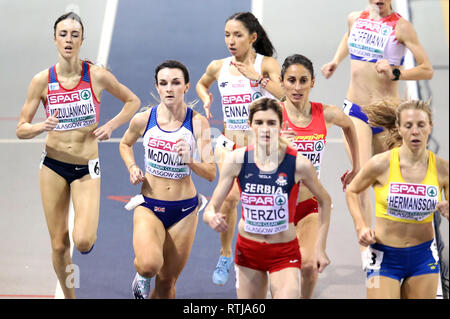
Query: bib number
94	168
372	259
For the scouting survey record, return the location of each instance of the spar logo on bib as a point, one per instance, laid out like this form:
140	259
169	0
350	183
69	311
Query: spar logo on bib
162	145
256	95
280	200
319	146
385	30
409	189
237	99
85	94
432	191
63	98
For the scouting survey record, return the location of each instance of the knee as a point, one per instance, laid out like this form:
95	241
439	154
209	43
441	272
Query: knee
308	269
84	243
148	267
60	248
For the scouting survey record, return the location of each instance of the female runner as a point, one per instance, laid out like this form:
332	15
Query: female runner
306	124
166	221
249	73
376	40
268	172
71	91
401	260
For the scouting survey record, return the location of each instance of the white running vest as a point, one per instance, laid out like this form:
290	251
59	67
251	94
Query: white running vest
237	93
161	157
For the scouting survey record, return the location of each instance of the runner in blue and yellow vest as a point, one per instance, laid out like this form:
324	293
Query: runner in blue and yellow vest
401	260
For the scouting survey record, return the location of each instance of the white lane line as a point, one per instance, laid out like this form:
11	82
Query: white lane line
42	141
257	10
107	31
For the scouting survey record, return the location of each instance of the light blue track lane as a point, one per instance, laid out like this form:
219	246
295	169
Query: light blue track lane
145	34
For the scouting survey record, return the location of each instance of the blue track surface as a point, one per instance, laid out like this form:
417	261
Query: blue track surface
145	34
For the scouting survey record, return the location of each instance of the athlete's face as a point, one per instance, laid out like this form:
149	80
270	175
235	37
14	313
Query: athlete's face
266	127
384	6
68	38
414	128
171	86
297	83
237	38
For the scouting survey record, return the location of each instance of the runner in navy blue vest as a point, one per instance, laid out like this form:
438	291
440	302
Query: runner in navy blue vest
268	173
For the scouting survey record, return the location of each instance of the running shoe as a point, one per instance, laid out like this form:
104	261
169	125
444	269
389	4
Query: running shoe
220	275
141	287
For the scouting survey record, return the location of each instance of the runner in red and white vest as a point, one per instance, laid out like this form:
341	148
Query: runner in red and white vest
71	92
376	39
305	125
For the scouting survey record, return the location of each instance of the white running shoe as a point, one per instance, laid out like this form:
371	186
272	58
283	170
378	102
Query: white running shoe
141	287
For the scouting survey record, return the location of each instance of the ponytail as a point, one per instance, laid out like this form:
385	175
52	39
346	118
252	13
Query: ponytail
262	45
386	113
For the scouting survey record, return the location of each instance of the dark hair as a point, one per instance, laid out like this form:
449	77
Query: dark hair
297	59
173	64
262	44
264	104
69	15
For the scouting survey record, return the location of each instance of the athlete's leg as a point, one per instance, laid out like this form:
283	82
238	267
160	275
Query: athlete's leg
381	287
364	133
420	287
148	240
250	283
284	284
228	209
177	249
55	194
86	203
307	229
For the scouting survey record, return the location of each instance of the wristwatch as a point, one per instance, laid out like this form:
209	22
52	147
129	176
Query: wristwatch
396	73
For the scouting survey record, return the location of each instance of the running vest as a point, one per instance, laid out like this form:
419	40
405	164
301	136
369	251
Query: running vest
161	157
268	199
406	202
77	107
310	140
372	40
237	93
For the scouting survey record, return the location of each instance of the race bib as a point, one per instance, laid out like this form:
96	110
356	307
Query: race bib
235	111
265	214
411	201
312	147
76	109
163	159
94	168
368	39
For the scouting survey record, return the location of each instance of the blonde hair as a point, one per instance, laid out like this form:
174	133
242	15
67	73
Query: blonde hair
386	113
